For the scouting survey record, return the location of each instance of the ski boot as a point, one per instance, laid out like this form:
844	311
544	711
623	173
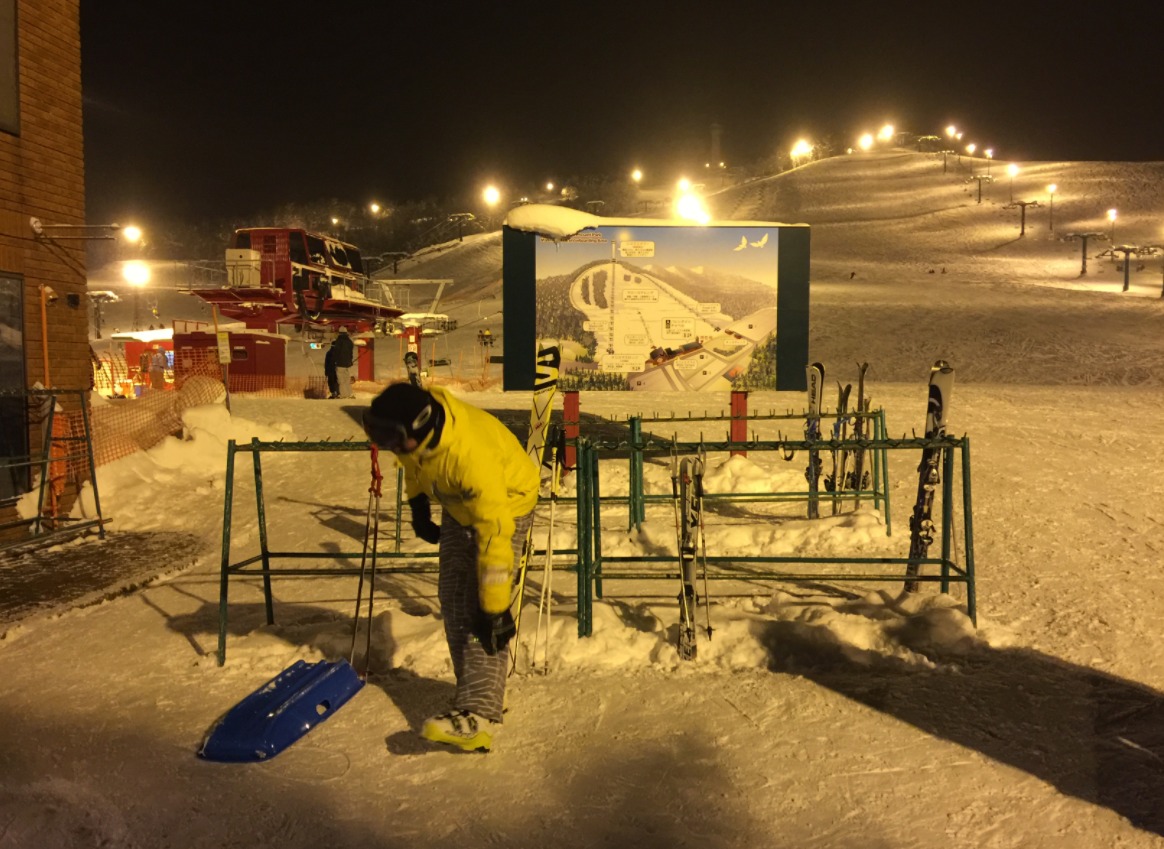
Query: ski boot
462	729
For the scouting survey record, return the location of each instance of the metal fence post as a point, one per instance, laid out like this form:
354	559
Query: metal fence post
224	573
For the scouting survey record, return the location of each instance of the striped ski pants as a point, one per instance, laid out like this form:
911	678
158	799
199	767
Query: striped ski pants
480	677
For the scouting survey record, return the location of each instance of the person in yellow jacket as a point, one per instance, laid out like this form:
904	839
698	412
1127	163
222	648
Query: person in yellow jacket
487	487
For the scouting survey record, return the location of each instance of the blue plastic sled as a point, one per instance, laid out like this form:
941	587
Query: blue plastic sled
281	711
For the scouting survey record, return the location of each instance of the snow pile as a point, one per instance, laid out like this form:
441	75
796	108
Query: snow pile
179	483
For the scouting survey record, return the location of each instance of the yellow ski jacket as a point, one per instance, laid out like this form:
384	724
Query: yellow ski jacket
482	475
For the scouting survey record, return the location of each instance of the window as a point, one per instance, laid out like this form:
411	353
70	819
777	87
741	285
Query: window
296	252
9	75
355	262
317	250
13	427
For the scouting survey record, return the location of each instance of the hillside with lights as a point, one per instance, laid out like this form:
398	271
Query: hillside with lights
903	237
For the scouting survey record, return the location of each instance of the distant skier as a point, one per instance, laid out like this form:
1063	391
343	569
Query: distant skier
158	366
487	487
329	371
344	356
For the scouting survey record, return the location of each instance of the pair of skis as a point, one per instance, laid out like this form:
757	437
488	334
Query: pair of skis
816	376
921	523
840	478
687	496
549	361
412	366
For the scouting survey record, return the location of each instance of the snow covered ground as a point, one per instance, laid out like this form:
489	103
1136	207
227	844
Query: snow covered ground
820	714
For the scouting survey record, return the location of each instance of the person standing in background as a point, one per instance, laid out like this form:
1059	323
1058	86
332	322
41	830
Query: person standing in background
158	366
344	355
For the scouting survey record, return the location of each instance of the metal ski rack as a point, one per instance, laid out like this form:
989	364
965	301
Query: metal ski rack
67	448
636	445
256	448
594	567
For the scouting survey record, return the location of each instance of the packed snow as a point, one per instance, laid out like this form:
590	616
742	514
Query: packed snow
820	713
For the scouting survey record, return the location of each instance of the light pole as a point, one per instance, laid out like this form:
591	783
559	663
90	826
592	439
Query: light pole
1111	216
1051	189
989	158
1011	170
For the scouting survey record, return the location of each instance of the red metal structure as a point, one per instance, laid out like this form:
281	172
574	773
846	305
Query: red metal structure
281	276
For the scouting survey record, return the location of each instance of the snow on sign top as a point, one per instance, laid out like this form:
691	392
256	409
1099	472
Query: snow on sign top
559	222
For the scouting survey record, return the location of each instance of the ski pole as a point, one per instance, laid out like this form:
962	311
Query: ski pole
372	532
377	480
547	598
373	497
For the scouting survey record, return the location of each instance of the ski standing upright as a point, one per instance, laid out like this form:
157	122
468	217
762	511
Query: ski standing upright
549	361
683	495
835	482
921	523
412	365
811	434
857	483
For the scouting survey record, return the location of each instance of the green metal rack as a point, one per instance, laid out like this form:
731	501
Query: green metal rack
595	567
256	448
77	447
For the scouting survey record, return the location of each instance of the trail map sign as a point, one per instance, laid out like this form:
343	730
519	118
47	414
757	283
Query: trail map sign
657	305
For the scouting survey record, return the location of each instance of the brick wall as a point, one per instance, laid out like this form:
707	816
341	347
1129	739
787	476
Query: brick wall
42	175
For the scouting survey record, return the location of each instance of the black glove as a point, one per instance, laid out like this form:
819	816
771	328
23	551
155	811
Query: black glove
422	522
494	631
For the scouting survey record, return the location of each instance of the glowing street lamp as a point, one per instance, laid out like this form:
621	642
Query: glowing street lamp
684	185
989	158
1111	216
132	234
690	207
491	196
137	275
886	133
1011	170
970	148
951	131
865	142
549	187
801	149
637	175
1051	189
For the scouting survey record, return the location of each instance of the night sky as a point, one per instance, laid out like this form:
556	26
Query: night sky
219	109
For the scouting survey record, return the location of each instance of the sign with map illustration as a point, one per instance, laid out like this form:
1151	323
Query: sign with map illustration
659	306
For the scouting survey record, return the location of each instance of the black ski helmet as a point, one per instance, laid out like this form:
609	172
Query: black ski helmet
400	412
